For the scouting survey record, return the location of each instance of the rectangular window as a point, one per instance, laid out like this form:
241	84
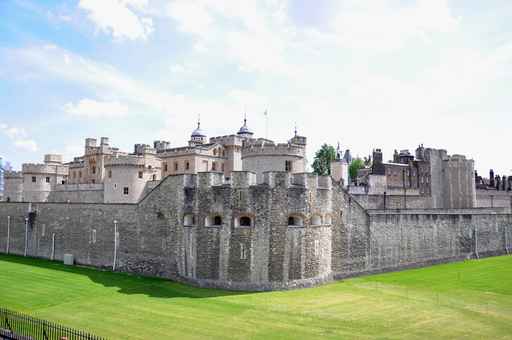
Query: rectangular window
110	174
175	166
80	174
243	252
222	166
93	169
43	230
93	236
187	166
288	166
165	167
33	179
93	181
317	247
47	179
140	174
214	166
125	190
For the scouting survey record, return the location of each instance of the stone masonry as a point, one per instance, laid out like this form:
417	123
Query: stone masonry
290	231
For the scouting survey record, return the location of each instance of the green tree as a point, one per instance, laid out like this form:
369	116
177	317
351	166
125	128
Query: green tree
323	159
357	163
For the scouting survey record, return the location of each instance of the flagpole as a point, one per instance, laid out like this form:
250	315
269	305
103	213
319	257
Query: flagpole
266	124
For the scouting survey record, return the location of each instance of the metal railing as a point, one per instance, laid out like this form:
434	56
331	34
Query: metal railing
19	326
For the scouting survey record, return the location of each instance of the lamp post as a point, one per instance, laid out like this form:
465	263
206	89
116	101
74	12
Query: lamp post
8	233
115	246
26	236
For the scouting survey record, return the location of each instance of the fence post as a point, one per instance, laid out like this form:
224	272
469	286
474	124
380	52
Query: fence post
475	233
8	234
115	246
26	236
506	239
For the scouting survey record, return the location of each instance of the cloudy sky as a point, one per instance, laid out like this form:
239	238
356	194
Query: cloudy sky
387	74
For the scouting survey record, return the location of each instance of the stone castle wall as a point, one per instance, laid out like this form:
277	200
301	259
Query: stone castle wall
173	233
493	199
84	193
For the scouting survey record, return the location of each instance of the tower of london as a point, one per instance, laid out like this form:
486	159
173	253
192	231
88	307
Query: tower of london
241	212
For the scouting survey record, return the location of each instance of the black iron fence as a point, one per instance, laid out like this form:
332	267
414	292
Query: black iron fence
18	326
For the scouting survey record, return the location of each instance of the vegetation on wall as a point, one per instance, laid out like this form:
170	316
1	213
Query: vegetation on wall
323	159
357	163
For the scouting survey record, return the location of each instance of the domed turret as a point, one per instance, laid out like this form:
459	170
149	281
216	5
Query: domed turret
244	130
197	136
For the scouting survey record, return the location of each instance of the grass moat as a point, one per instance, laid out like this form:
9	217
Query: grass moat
470	300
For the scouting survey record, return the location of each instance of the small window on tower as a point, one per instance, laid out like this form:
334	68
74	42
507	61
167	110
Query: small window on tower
288	166
165	167
187	166
125	190
47	179
243	252
141	174
34	179
175	166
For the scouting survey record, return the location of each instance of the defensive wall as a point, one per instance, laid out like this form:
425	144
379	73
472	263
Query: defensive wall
84	193
493	199
289	231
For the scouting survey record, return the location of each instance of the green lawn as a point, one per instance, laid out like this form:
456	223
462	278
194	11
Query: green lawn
470	300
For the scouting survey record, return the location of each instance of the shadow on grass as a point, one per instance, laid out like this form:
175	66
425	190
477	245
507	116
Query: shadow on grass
125	282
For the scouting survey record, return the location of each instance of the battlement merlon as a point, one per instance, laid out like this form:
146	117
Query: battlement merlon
229	140
13	174
130	160
307	180
45	169
253	150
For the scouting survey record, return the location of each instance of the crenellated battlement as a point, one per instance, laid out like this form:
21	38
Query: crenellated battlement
45	169
264	149
137	161
13	174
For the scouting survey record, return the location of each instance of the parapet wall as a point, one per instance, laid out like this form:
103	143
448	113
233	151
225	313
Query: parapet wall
77	193
290	231
45	169
272	150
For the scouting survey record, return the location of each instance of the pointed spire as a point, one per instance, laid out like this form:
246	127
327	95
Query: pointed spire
295	131
199	121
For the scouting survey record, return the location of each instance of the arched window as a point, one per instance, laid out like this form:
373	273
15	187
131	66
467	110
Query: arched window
295	220
217	220
316	220
245	221
188	220
328	219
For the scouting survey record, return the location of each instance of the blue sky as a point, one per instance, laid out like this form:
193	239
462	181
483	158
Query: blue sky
387	74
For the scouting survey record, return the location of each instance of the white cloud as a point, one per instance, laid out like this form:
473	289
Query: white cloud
92	109
19	137
121	18
383	25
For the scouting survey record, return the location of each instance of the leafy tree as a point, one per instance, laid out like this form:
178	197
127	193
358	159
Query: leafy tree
357	163
323	159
